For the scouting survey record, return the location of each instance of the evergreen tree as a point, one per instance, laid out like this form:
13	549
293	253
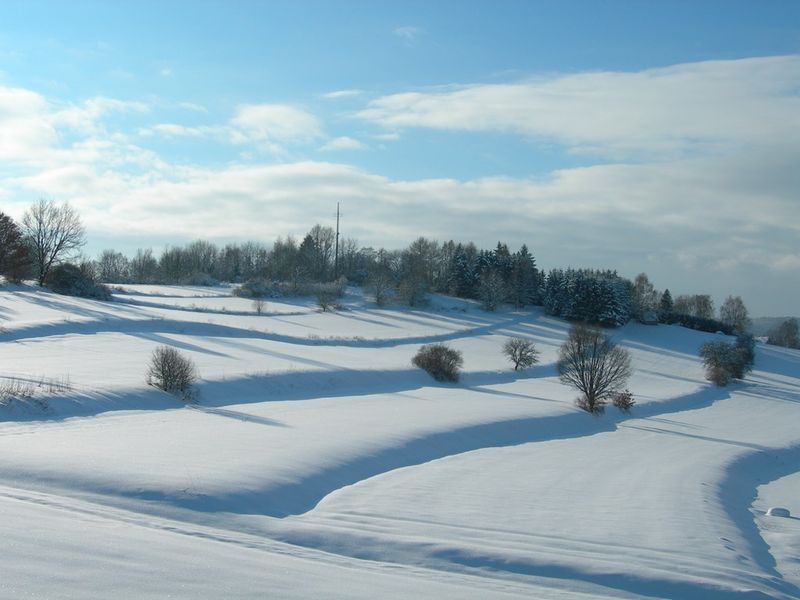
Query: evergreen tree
523	285
665	306
14	258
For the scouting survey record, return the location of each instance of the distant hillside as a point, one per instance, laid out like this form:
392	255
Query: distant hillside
762	325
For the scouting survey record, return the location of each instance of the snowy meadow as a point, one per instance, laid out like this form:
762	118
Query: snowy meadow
316	461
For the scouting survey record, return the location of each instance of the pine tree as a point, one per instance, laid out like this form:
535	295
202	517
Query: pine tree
665	306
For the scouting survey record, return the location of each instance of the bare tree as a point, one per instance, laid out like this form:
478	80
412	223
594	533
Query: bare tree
733	312
172	372
592	363
786	334
53	232
644	298
112	267
521	352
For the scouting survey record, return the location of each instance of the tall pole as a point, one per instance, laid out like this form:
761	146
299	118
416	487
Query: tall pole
336	252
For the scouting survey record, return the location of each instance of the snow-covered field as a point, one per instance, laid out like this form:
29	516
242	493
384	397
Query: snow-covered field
319	464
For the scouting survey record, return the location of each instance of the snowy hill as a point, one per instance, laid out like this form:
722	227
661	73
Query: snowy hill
319	463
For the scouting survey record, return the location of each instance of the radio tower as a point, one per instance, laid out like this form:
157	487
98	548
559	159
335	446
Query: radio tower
336	252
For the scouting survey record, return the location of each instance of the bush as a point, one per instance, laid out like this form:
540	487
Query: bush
264	288
441	361
71	280
623	401
172	372
521	352
698	323
326	299
259	306
724	362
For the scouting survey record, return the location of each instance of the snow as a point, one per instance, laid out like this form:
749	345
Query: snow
319	463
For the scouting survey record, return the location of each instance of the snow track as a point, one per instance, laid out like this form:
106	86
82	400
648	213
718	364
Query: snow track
338	460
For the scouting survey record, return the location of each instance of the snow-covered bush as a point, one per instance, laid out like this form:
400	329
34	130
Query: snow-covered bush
72	280
441	361
172	372
264	288
724	362
521	352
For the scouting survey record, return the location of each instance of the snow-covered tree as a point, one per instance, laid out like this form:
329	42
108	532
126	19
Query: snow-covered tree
492	290
644	298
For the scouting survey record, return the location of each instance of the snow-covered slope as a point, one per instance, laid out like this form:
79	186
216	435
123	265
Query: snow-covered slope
319	463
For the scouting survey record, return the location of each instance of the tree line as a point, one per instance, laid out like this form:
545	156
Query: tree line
50	234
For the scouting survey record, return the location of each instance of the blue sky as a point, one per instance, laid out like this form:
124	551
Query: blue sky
643	136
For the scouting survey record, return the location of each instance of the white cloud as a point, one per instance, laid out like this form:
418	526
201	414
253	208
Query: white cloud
686	109
193	107
174	130
408	33
342	94
279	123
25	131
343	143
711	220
268	127
165	72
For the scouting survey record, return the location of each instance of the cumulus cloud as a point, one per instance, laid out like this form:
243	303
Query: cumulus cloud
691	108
715	213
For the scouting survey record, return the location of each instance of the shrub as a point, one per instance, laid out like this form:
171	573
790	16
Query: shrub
724	362
72	280
441	361
259	305
326	299
623	401
698	323
172	372
521	352
263	288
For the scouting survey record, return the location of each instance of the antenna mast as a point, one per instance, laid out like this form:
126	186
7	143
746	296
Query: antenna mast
336	253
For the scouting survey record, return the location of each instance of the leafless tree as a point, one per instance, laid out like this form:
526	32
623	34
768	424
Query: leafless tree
733	312
172	372
521	352
592	363
644	298
54	232
786	334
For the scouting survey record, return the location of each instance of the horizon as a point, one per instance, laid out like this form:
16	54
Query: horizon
639	138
